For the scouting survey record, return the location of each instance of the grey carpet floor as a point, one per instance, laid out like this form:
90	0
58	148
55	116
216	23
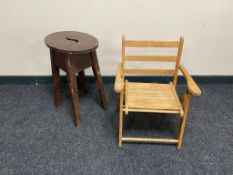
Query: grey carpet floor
37	138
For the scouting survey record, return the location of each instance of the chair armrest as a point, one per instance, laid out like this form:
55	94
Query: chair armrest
192	86
119	82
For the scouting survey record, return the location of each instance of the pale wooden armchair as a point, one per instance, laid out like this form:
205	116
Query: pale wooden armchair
153	97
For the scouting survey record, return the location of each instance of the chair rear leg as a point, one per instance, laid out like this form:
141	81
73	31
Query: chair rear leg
121	119
186	99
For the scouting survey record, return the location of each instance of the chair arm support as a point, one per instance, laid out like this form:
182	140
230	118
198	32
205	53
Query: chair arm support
119	82
192	86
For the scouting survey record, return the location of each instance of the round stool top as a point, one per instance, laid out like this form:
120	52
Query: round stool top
71	42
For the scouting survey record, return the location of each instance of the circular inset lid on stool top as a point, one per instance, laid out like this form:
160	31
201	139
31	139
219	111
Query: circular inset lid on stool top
71	42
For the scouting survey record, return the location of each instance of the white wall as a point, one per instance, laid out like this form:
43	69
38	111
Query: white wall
206	24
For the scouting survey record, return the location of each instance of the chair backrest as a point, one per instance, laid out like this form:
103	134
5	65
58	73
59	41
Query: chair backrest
160	58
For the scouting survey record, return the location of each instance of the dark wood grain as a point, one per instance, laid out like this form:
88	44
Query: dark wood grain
71	42
72	83
81	81
56	80
99	81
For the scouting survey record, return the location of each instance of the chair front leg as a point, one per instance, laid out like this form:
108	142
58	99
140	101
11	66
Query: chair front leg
186	100
121	119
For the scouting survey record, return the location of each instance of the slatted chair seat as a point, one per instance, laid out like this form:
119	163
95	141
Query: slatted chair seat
151	97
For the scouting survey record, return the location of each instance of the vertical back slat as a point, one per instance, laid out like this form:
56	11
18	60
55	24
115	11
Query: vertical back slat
123	57
179	54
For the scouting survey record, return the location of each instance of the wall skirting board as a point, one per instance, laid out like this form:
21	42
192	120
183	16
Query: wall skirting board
110	79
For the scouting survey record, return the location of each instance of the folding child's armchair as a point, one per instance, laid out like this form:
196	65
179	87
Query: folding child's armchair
153	97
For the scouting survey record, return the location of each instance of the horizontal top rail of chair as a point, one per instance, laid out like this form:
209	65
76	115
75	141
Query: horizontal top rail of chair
138	139
172	44
150	71
151	58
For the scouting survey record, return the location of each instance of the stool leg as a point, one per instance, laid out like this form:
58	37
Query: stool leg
98	79
72	83
81	81
56	81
